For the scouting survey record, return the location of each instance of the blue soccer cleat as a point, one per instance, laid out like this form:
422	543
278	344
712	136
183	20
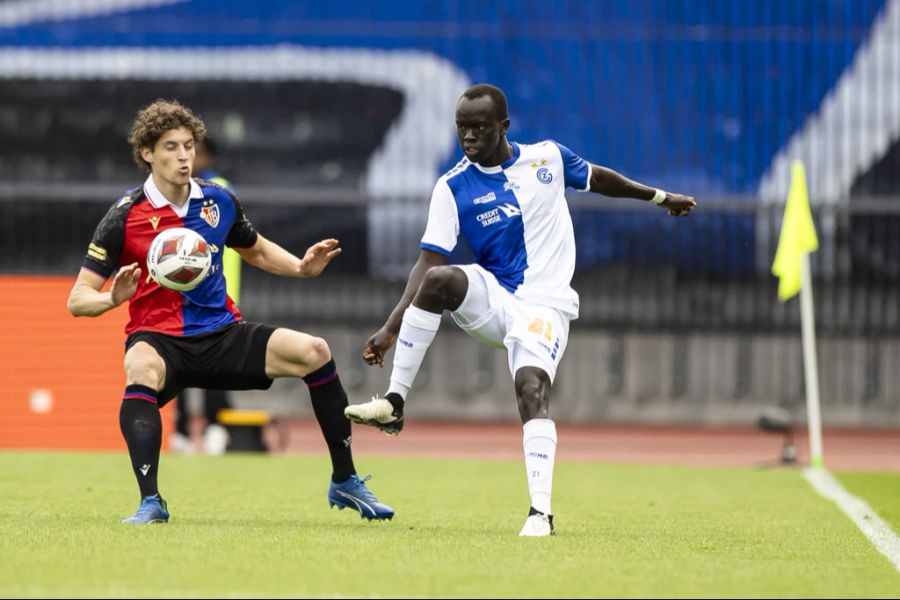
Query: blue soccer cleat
153	509
354	494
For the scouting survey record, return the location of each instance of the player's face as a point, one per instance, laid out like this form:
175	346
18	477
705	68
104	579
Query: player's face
480	130
172	158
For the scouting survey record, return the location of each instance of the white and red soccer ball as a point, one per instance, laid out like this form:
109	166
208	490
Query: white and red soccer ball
179	259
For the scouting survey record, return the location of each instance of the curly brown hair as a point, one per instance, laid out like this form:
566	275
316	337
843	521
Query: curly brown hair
154	120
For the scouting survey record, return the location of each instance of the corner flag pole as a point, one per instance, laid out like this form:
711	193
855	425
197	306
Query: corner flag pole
797	239
810	366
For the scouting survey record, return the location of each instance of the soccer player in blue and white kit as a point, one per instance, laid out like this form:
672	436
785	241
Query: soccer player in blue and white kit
508	201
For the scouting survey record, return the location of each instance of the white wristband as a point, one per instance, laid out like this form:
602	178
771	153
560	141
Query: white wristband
658	197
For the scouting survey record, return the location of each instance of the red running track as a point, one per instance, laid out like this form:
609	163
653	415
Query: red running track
844	449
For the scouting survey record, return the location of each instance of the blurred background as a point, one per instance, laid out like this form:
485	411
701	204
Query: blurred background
335	119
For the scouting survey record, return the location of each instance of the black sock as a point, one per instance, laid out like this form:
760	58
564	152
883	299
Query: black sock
142	429
396	401
329	401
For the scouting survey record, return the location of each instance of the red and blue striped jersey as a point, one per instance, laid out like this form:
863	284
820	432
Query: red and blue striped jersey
124	235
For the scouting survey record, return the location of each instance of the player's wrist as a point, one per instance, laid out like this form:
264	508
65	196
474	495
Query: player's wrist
393	325
659	196
300	270
113	301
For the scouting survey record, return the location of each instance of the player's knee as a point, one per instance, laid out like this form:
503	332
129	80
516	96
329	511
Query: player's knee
446	281
533	398
435	279
143	371
529	391
317	352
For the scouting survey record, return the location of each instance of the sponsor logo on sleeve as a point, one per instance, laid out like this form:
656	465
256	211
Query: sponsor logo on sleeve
96	252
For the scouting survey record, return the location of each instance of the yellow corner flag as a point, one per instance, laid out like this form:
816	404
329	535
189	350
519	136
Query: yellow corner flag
798	235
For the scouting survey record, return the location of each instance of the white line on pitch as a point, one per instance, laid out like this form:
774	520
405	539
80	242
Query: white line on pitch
873	527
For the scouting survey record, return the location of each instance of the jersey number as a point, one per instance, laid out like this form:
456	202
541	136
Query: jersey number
538	326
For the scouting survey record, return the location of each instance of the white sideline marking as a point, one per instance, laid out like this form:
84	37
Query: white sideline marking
873	527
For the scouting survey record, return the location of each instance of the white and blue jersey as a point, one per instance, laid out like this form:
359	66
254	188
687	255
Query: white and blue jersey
515	218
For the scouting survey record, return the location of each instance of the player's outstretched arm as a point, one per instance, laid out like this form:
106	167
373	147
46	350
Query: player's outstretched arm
86	299
269	256
610	183
383	340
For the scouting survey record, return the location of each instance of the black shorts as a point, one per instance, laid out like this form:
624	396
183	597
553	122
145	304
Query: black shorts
230	358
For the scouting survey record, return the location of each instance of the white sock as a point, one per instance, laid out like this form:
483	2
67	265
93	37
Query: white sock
416	334
539	442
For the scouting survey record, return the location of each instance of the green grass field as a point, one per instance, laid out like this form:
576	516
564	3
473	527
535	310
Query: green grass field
260	526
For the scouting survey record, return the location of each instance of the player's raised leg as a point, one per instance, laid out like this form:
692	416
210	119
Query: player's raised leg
295	354
443	288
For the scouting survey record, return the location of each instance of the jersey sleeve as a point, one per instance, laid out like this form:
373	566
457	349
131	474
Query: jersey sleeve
242	233
576	170
442	230
109	237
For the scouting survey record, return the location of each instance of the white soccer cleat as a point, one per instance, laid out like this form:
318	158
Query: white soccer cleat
537	525
379	413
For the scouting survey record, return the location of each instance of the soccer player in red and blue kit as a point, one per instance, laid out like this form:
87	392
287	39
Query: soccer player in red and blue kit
198	338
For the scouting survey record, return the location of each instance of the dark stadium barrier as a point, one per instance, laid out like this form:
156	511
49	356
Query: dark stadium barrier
637	268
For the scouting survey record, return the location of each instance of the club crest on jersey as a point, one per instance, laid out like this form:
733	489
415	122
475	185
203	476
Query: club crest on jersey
210	213
544	175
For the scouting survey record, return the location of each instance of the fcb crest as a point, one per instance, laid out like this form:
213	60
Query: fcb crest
210	212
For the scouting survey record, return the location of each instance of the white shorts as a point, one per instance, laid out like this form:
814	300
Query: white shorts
533	335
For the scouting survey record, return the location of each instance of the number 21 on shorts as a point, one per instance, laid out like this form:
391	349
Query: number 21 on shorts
538	326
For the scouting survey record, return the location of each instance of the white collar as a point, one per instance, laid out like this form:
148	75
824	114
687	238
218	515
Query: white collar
516	153
159	201
488	170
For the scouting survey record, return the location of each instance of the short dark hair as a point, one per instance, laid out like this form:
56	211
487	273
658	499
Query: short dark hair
496	94
154	120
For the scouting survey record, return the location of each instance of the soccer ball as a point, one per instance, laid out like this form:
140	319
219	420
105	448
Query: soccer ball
179	259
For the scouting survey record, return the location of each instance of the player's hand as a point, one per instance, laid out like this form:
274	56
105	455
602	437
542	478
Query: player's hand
317	257
125	283
678	205
377	345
